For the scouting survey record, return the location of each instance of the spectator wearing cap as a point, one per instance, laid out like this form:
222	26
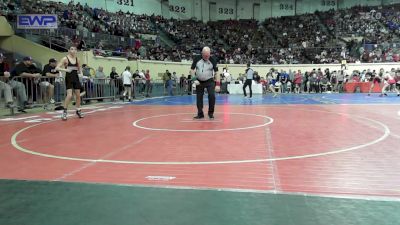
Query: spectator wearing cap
4	86
16	86
28	72
50	72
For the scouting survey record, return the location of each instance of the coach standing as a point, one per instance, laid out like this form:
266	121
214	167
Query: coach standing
205	70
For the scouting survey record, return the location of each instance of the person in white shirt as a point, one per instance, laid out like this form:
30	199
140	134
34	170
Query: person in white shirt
142	81
227	75
127	81
227	78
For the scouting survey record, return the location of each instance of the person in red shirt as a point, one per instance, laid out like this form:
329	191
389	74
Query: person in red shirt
375	80
264	85
298	80
397	79
138	44
356	78
148	83
388	82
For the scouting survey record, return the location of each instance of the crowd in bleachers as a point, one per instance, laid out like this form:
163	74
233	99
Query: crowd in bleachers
85	18
322	81
377	26
310	38
321	37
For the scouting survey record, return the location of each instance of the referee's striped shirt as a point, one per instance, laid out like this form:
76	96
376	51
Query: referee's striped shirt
204	69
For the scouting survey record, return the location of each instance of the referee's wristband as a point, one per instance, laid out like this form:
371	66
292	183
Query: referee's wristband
217	83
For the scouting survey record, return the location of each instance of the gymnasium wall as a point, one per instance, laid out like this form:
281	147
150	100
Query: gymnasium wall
5	28
107	63
25	47
226	9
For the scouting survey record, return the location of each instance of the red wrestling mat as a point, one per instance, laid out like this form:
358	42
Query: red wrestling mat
332	149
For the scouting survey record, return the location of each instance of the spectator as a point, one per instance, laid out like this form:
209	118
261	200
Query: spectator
50	72
148	83
142	81
298	80
182	84
100	81
82	45
4	80
26	73
166	77
115	81
127	81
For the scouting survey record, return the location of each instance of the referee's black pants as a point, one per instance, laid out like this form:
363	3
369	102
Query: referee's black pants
248	82
210	85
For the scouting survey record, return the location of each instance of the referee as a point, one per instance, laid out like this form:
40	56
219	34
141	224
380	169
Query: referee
249	80
204	69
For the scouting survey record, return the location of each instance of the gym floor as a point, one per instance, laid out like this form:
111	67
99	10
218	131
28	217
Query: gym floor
294	159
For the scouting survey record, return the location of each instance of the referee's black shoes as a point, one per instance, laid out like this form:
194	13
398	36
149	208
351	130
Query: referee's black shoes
198	117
